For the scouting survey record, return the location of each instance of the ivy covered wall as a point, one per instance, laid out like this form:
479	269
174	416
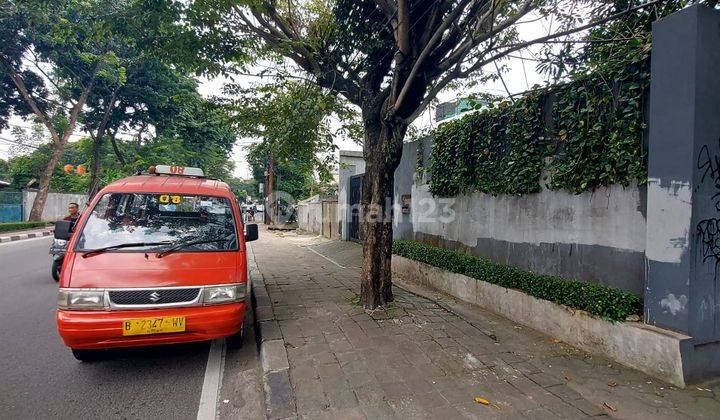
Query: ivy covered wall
585	134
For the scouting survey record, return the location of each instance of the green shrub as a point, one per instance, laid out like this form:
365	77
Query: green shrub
604	302
595	139
9	227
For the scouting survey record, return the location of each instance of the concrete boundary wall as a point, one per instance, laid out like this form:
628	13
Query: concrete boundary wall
649	349
597	236
55	206
594	236
309	214
318	215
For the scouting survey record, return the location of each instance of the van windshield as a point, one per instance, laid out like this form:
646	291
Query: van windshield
124	218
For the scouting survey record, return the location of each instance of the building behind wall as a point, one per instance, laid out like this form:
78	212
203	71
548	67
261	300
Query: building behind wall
594	236
351	163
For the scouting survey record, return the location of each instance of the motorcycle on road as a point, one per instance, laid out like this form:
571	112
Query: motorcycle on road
57	250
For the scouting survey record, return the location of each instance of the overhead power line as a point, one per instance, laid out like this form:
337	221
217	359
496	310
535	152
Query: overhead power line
17	143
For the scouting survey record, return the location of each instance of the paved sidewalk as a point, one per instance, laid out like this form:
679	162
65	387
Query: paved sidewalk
420	360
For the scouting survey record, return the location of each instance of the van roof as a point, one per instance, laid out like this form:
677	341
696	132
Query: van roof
169	184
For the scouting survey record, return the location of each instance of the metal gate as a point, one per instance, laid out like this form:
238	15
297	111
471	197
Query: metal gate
11	207
329	219
354	201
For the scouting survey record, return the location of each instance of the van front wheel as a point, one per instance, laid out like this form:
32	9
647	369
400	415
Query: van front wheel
236	340
87	355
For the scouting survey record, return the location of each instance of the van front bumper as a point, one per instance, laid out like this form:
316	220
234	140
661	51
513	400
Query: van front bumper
103	329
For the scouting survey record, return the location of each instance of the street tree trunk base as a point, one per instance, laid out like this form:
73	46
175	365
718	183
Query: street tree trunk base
282	227
376	285
382	153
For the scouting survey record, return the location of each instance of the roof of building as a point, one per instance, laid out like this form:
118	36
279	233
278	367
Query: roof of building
351	153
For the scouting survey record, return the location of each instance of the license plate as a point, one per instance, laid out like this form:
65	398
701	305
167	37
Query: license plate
158	325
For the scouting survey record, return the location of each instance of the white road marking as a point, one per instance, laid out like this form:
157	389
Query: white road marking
212	381
332	261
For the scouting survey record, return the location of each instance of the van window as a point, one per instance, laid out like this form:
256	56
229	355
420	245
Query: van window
121	218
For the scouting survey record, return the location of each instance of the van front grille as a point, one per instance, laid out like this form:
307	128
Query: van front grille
153	296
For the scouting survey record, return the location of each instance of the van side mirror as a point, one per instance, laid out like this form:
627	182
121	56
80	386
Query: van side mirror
63	229
251	232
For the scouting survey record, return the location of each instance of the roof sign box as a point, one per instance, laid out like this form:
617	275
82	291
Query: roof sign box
179	170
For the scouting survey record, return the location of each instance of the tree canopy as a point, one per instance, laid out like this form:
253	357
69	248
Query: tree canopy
297	123
391	58
116	69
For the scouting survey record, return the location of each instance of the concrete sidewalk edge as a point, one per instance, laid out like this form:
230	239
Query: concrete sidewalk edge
279	396
20	236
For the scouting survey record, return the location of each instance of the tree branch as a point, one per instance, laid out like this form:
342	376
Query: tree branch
457	73
116	149
36	62
473	40
547	38
27	97
327	74
402	28
80	104
387	7
100	131
437	35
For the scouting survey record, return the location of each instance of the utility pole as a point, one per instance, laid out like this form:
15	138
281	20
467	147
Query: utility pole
270	182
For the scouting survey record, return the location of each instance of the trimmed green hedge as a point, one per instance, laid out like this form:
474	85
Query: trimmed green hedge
604	302
9	227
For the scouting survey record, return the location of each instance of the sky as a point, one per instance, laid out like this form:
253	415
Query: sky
519	77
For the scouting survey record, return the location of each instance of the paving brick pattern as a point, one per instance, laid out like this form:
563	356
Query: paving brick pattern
420	360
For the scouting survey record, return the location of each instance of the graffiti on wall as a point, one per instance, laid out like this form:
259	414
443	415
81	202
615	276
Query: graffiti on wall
707	231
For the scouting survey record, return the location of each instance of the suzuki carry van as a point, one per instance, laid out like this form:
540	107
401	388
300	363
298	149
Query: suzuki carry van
157	258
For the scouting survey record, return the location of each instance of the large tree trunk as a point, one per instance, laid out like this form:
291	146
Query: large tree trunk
95	165
116	149
97	143
58	148
382	152
59	142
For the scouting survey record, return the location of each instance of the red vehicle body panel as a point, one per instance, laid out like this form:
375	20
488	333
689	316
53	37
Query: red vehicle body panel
99	330
102	329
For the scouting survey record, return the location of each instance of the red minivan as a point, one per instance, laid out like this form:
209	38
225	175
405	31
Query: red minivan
156	259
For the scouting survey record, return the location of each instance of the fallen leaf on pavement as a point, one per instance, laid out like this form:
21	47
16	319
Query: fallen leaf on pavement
612	384
609	406
481	400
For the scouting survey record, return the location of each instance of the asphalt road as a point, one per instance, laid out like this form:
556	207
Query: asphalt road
39	378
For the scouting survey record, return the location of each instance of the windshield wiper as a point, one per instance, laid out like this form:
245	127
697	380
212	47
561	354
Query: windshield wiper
184	244
120	246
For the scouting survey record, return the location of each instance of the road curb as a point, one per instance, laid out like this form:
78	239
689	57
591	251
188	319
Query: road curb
279	396
21	236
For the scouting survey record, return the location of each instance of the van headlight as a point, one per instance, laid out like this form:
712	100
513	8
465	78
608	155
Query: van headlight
224	294
81	300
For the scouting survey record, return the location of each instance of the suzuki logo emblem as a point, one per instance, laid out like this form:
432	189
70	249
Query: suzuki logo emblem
154	296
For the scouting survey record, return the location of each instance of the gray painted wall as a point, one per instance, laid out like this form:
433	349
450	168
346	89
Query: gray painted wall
310	215
55	206
682	290
683	254
595	236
